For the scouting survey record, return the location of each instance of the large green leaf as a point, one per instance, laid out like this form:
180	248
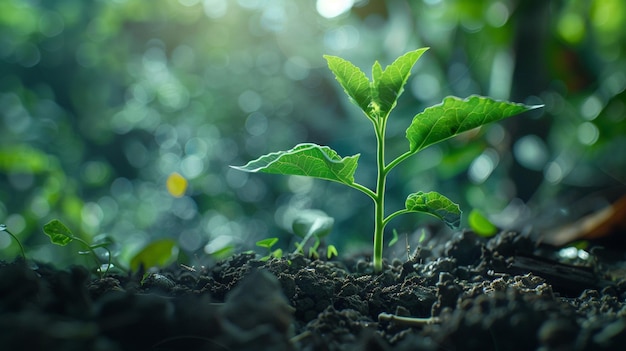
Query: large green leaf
307	160
389	84
435	204
454	116
353	81
59	233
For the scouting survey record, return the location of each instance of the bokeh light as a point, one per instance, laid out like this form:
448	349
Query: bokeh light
121	118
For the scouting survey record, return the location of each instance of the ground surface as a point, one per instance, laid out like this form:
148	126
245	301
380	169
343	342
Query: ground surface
503	293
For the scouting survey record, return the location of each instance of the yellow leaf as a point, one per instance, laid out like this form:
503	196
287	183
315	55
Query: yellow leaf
176	185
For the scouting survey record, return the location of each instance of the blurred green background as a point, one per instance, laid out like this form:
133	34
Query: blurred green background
101	102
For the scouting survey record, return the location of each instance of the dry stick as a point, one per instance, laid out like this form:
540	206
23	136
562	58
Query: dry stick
408	321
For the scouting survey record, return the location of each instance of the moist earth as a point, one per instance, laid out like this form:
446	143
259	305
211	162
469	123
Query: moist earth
463	293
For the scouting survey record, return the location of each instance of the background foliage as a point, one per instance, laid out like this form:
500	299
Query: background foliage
121	117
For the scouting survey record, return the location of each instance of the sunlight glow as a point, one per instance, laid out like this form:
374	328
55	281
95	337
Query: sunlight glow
333	8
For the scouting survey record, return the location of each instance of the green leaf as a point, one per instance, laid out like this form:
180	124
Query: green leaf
57	231
331	252
306	160
278	253
389	84
353	81
480	224
267	243
437	205
379	97
454	116
158	253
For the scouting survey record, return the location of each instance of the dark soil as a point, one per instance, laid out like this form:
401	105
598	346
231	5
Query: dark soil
503	293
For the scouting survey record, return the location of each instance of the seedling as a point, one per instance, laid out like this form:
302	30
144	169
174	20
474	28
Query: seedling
3	228
313	224
61	235
267	244
377	98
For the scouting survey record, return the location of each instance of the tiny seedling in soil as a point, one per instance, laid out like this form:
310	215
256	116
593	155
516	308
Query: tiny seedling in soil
315	224
60	235
267	244
3	228
377	98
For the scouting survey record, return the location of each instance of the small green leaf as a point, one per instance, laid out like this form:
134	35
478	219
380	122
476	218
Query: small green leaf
353	81
455	116
389	84
158	253
307	160
437	205
378	97
267	243
331	252
57	231
480	224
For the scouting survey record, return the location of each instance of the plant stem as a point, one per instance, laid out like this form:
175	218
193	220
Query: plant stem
364	190
399	159
395	214
4	229
95	256
379	201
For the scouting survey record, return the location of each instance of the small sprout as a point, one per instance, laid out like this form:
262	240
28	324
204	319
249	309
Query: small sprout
267	244
61	235
3	228
311	224
481	225
331	252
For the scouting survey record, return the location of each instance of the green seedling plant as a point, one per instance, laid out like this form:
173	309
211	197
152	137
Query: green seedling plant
268	244
377	98
61	235
313	224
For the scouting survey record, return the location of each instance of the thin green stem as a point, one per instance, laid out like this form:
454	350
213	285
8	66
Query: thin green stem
364	190
395	214
4	229
379	201
95	256
397	161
